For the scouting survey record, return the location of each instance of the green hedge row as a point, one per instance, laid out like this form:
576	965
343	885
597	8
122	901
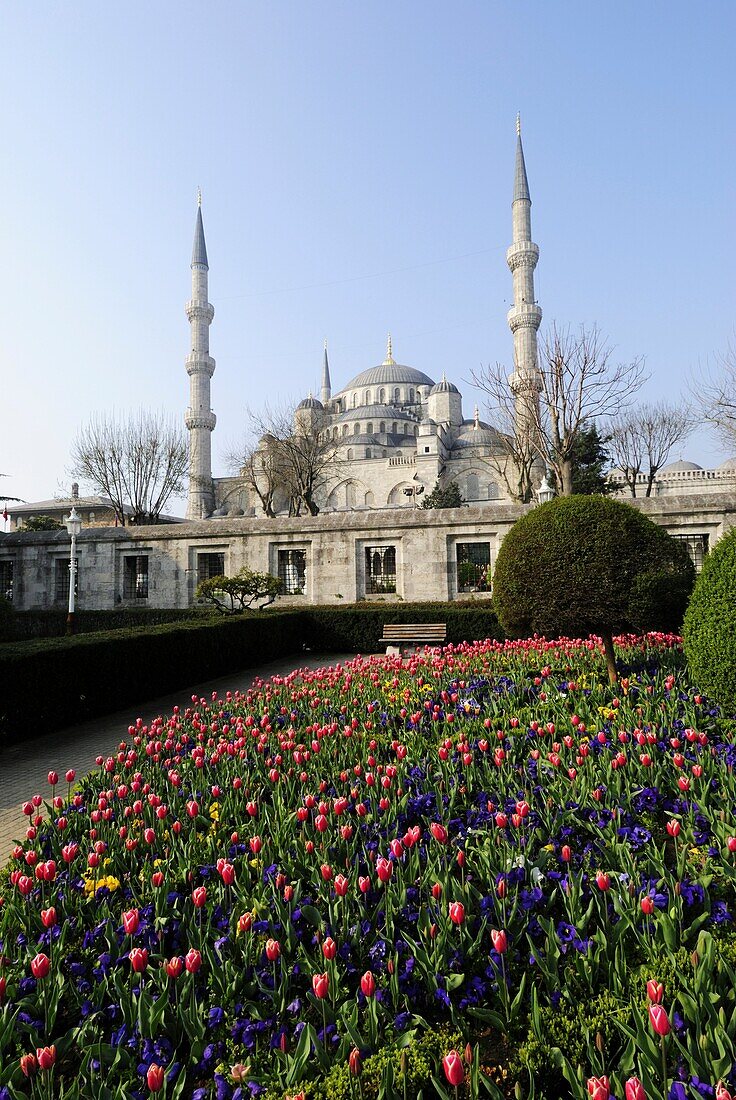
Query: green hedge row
17	626
49	683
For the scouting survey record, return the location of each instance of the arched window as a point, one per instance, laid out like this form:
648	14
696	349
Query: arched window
384	453
369	429
368	453
334	433
344	430
381	397
350	495
406	429
397	395
472	487
393	429
416	430
367	397
411	397
350	454
356	429
493	493
382	427
355	399
369	500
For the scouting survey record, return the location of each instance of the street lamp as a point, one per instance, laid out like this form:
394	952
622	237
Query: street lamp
73	525
546	490
414	491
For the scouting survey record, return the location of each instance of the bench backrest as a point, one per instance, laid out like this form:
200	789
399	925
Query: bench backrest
413	630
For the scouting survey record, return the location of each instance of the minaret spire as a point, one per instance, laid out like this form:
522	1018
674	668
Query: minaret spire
525	316
326	391
389	361
199	419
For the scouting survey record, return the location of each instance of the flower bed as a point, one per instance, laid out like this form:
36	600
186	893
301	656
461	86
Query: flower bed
472	873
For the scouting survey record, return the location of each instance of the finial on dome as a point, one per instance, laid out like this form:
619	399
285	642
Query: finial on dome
444	377
389	361
199	196
476	418
310	395
518	124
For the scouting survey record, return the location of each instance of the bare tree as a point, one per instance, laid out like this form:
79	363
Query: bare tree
579	382
715	395
643	438
137	461
295	455
514	460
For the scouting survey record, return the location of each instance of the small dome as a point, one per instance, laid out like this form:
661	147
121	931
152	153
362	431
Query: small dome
679	467
444	387
729	466
474	433
310	403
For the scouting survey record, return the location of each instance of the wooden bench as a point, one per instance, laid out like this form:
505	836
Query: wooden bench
400	636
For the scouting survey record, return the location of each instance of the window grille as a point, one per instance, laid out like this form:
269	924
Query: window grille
380	569
7	569
697	547
474	573
292	569
210	565
61	580
135	577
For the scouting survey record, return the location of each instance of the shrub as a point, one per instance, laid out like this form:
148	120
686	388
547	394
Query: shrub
587	564
231	595
710	625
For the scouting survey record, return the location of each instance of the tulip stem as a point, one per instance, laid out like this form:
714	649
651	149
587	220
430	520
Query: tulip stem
664	1067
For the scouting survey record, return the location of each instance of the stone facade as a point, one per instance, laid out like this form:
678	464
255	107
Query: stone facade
398	554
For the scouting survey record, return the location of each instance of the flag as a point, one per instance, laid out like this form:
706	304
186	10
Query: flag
5	513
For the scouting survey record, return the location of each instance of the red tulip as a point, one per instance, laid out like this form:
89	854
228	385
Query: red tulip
599	1088
634	1090
46	1057
603	882
364	883
355	1061
255	844
452	1064
457	912
131	922
245	922
722	1092
673	828
28	1064
439	832
53	778
384	869
157	879
341	886
174	966
499	940
655	991
138	959
40	965
48	917
565	853
659	1019
647	905
368	984
155	1077
71	775
199	896
193	960
731	842
320	985
329	948
273	950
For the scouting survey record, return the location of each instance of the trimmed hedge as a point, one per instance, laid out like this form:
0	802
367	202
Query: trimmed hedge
49	683
16	626
709	630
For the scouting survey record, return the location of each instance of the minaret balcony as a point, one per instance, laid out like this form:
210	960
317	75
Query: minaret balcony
522	254
527	315
201	418
199	362
198	310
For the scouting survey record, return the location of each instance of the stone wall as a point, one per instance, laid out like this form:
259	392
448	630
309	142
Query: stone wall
332	548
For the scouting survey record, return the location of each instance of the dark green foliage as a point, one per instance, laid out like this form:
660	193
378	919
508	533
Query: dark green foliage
590	460
23	625
448	496
42	523
710	625
587	564
358	627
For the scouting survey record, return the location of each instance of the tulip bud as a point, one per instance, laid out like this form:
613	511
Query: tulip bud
155	1077
655	991
28	1064
355	1062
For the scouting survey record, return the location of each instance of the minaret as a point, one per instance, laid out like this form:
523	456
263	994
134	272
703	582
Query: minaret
326	391
525	316
199	419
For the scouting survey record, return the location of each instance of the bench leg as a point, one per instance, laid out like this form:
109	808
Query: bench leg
393	651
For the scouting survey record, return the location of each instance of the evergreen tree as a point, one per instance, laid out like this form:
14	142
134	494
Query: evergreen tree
448	496
590	462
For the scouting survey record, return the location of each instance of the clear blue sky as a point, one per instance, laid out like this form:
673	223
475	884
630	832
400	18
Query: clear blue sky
356	162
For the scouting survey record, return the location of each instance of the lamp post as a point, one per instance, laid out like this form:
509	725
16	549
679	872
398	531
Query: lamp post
73	525
414	491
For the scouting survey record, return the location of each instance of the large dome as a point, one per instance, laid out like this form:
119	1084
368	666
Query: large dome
680	467
388	374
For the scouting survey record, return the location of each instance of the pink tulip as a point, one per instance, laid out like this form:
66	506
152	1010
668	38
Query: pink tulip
659	1019
452	1064
368	984
634	1090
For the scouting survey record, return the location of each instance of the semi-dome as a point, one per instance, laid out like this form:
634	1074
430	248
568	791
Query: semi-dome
474	433
681	466
371	412
729	465
310	403
444	386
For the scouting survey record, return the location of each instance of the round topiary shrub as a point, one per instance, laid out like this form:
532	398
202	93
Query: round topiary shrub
709	629
583	565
